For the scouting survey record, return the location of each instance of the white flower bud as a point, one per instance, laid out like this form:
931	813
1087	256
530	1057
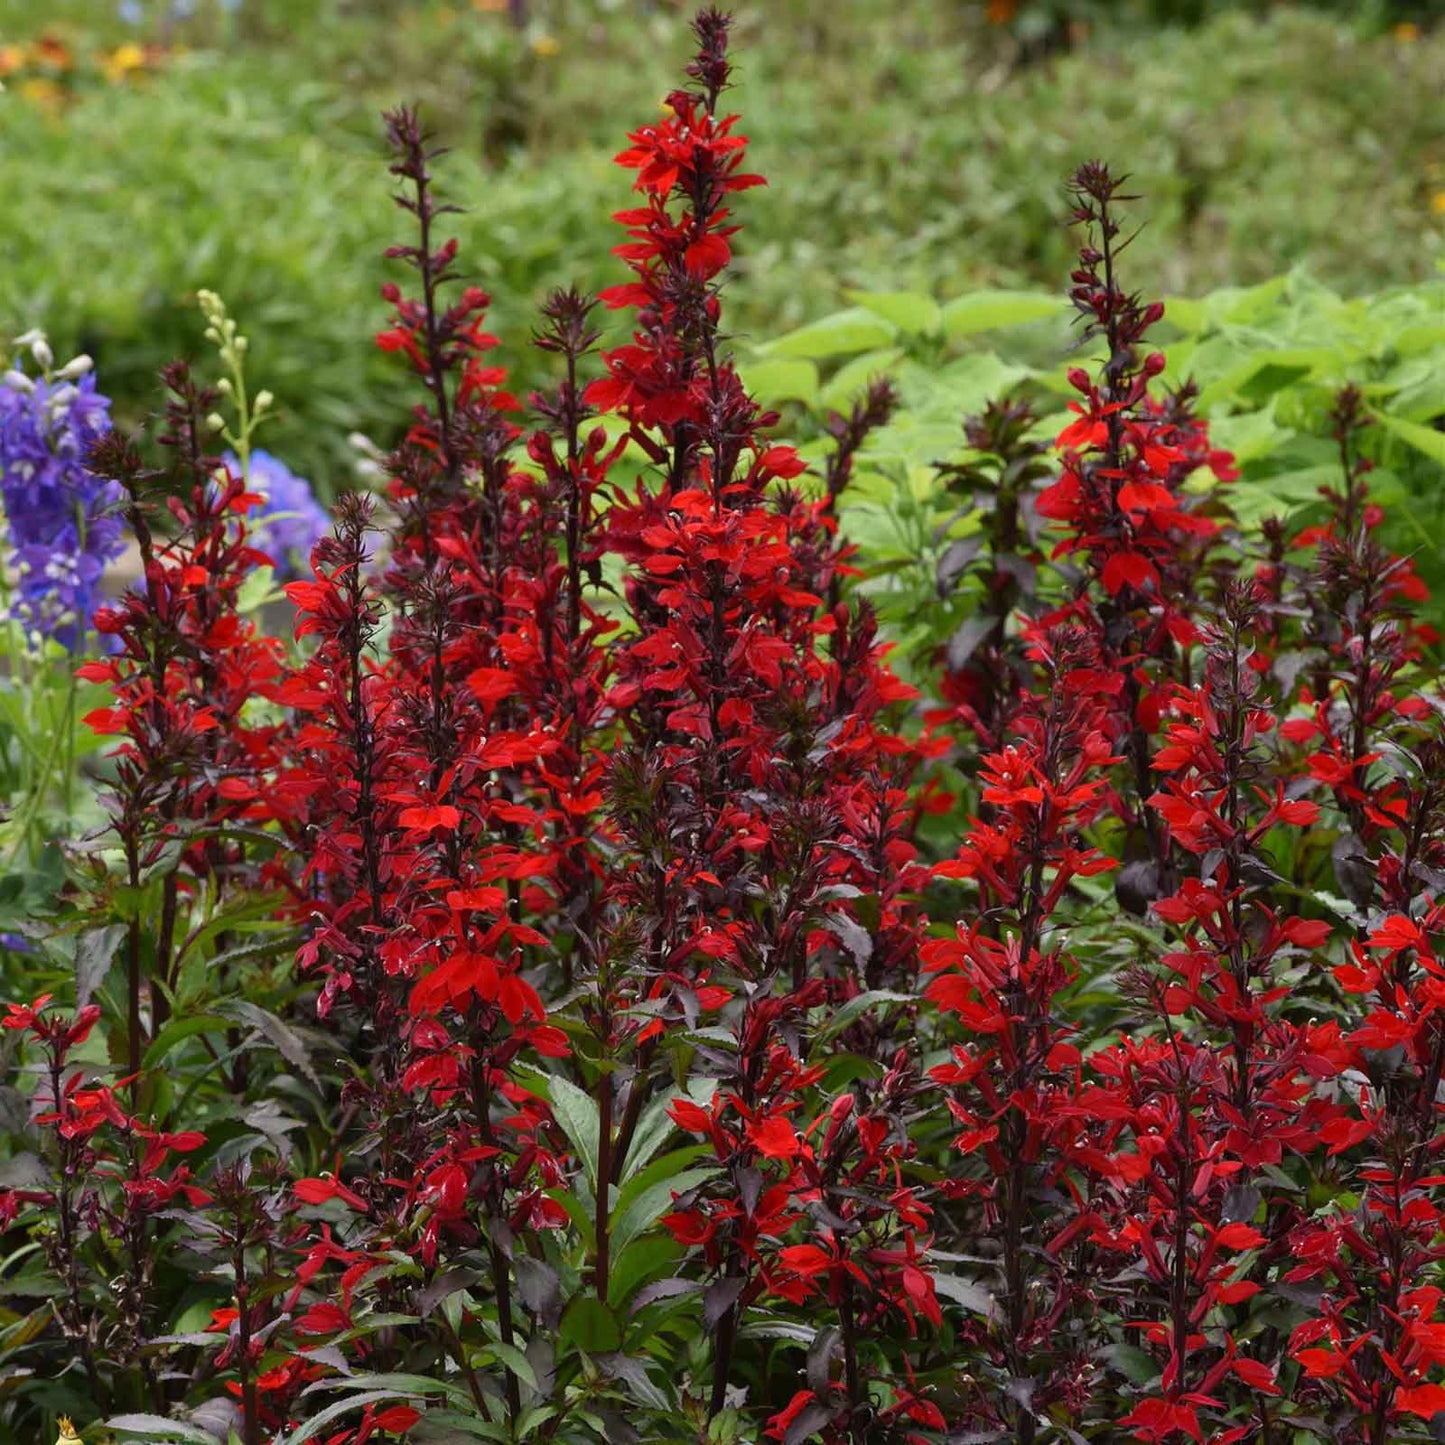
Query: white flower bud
224	386
75	368
18	381
263	400
40	350
216	421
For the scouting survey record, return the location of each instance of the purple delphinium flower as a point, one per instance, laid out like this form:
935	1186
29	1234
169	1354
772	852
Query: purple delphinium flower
291	521
64	522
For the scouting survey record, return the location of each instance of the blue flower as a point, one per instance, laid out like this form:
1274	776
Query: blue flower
291	521
64	521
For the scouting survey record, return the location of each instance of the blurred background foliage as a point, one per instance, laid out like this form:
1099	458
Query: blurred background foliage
153	147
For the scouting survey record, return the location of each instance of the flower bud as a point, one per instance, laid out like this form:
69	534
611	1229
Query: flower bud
216	422
75	368
264	399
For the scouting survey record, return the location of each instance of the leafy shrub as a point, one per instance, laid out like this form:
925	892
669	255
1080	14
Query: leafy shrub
1266	362
581	992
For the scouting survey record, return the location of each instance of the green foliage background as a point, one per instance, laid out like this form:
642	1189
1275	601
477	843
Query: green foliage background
907	146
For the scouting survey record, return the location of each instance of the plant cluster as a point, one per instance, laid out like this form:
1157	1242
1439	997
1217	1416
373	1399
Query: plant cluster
581	992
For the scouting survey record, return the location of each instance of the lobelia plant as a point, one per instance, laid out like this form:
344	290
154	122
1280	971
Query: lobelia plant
511	1012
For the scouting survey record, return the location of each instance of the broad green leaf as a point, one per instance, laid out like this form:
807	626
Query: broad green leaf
1187	314
1246	305
178	1030
652	1202
641	1262
576	1114
988	310
1424	439
852	378
840	334
471	1424
907	310
783	378
591	1326
653	1131
513	1359
158	1427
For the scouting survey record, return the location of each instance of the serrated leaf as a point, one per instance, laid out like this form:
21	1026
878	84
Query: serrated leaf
94	950
576	1115
286	1041
973	1297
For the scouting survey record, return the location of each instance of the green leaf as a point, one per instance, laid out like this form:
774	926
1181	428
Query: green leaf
94	950
986	310
653	1131
394	1382
640	1210
576	1115
640	1263
973	1297
784	378
840	1018
852	378
840	334
318	1422
287	1042
1424	439
591	1326
178	1030
907	310
158	1427
514	1360
1187	314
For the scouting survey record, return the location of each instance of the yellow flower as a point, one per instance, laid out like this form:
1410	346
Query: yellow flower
1407	32
12	57
43	91
546	45
123	60
1437	203
68	1434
